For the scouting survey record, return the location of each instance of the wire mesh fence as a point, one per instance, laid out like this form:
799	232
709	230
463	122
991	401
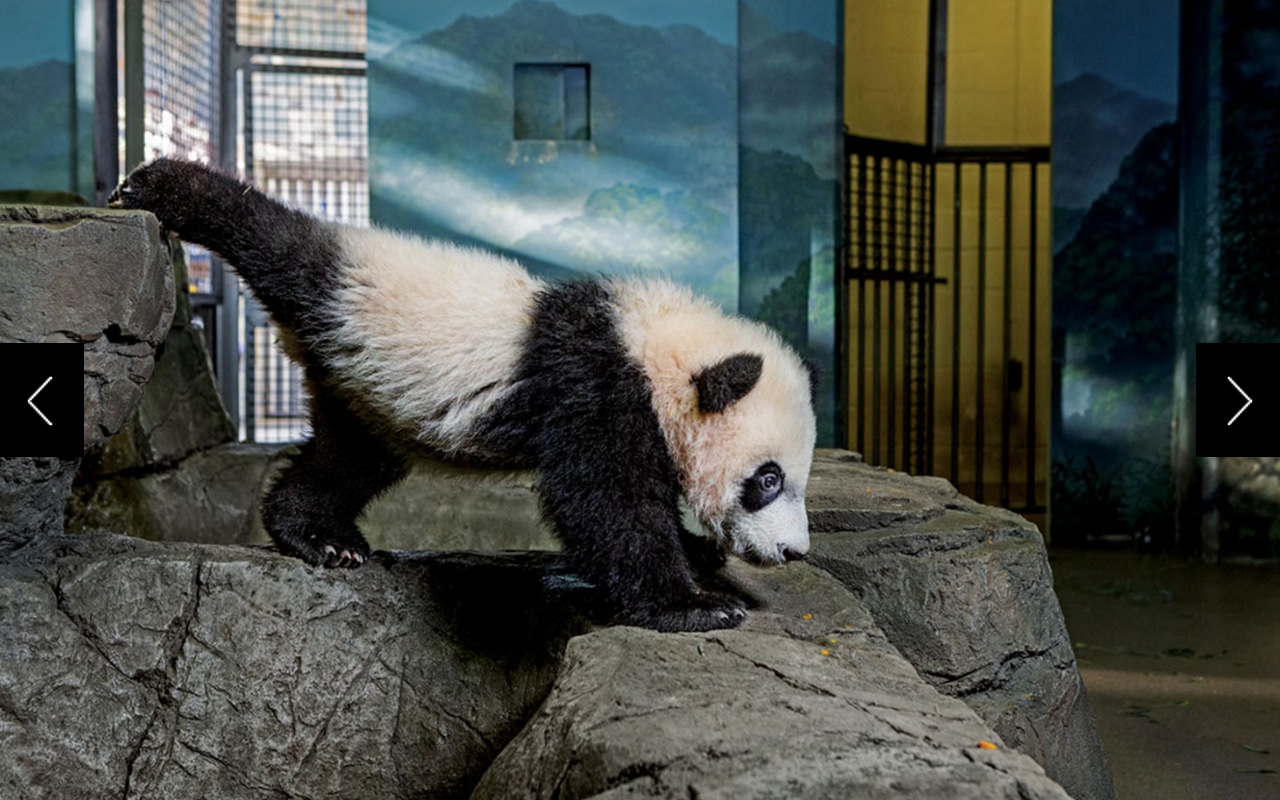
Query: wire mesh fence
308	143
304	131
181	69
337	26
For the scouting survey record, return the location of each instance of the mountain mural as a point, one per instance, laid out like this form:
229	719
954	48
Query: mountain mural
663	145
787	94
36	149
1115	297
1095	125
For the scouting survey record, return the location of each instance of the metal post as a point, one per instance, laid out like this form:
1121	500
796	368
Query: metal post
955	326
980	428
228	286
135	86
106	142
891	265
1006	402
1032	394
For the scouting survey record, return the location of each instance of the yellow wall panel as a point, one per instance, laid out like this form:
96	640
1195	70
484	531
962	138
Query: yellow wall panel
999	72
886	68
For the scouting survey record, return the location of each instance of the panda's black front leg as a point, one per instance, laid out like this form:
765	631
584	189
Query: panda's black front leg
311	510
634	553
615	506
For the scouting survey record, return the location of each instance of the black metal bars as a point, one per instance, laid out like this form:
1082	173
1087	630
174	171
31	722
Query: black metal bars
893	240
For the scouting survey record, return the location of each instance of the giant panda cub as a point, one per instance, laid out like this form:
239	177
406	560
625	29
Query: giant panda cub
625	394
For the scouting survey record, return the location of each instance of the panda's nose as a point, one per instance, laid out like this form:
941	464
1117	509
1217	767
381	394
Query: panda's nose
791	554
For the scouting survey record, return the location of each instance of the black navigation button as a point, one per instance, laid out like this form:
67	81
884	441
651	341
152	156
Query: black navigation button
1237	399
42	400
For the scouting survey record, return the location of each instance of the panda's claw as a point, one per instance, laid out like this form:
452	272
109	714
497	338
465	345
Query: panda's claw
333	556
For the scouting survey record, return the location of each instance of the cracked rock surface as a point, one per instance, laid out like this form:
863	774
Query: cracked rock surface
93	277
130	669
965	593
797	703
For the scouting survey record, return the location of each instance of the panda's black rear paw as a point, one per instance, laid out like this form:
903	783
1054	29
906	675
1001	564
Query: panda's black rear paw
705	611
348	556
141	189
176	191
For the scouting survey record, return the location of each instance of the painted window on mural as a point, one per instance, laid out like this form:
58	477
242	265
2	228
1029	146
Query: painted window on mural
552	102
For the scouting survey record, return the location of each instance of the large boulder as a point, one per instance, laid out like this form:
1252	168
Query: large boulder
808	699
97	278
963	590
1248	503
965	593
142	670
213	496
93	276
209	496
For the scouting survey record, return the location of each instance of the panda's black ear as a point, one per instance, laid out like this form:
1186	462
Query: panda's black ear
723	384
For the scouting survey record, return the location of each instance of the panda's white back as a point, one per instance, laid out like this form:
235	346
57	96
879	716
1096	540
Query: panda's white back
428	333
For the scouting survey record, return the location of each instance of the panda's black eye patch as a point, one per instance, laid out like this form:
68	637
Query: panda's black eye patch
763	488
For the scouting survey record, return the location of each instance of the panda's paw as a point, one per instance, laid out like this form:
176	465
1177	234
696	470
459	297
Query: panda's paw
330	551
704	611
176	191
145	187
348	556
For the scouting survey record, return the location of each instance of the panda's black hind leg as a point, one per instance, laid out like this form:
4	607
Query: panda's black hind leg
311	509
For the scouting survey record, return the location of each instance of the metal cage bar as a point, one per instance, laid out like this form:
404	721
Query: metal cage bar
893	242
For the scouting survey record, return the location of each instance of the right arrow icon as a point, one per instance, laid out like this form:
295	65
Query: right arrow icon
1248	401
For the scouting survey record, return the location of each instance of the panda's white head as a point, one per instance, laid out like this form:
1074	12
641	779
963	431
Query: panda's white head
746	466
735	406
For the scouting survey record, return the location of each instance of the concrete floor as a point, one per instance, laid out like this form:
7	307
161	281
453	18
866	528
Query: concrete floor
1182	665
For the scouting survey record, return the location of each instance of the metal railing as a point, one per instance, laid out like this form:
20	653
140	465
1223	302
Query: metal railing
907	208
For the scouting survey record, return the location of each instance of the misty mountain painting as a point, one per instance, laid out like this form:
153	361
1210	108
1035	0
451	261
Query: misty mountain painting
577	142
1115	242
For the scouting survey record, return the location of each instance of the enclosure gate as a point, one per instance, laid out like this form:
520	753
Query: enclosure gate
918	220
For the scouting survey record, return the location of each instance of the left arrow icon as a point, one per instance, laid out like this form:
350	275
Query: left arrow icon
31	401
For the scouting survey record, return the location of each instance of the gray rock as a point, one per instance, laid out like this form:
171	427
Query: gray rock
785	707
213	496
447	508
138	670
210	497
33	494
965	592
93	276
89	276
1250	486
181	411
141	670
